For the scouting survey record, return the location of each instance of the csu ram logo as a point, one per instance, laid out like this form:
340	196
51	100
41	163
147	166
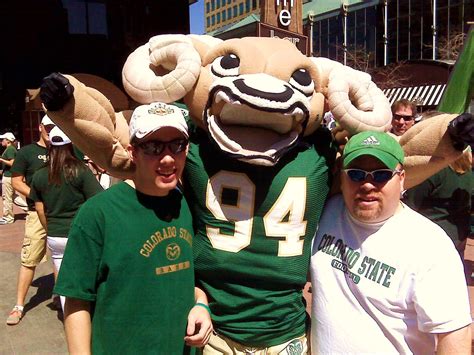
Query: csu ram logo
173	251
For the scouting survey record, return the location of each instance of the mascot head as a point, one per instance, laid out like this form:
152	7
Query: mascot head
256	97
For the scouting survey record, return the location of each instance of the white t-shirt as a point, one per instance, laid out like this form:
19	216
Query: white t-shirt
384	288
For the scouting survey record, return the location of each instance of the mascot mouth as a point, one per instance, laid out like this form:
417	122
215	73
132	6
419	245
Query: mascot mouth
253	129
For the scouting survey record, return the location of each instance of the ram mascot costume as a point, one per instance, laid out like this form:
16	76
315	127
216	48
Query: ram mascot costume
259	165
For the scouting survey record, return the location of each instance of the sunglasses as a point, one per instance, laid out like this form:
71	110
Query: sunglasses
379	176
157	147
405	118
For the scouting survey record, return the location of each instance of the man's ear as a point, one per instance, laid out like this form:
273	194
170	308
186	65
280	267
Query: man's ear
402	179
131	152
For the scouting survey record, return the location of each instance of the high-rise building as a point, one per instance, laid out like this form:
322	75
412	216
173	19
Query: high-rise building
220	13
387	31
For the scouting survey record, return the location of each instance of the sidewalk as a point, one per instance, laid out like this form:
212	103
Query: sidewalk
41	330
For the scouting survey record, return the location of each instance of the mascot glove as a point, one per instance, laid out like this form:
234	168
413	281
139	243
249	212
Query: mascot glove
55	91
461	131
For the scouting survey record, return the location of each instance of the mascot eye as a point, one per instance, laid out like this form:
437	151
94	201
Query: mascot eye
301	80
227	65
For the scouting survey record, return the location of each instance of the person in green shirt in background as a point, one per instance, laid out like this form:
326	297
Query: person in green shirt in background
59	189
7	159
33	250
445	198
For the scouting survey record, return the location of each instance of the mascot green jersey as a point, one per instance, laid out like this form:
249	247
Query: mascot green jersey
254	227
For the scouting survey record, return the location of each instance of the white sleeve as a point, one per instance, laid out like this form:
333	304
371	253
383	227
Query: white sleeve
440	293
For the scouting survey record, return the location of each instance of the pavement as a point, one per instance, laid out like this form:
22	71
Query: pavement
41	330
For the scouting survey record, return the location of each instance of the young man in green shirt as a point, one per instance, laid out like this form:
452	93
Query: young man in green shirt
128	270
29	159
7	159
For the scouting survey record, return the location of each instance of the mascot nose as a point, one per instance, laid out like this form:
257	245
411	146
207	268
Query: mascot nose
264	87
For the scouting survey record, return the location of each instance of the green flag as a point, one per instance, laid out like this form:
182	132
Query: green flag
459	92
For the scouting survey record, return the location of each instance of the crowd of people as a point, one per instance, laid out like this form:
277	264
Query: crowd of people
374	257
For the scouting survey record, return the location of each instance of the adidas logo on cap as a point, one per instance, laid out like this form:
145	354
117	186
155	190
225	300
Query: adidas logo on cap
370	141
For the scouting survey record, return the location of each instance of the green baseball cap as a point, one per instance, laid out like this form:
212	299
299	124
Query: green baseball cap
377	144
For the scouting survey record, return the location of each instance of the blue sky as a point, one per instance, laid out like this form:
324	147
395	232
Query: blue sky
196	16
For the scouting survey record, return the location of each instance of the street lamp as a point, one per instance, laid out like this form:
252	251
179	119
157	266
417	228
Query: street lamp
345	9
311	19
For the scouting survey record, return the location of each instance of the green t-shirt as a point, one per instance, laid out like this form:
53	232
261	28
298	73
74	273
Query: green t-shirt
254	226
445	198
61	202
130	254
8	154
29	159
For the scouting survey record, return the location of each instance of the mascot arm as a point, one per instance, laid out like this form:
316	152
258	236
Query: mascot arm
428	148
89	120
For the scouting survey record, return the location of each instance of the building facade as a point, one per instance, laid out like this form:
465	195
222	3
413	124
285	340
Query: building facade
377	32
220	13
74	36
388	31
421	37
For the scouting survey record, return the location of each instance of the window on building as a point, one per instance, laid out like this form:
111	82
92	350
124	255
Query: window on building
223	15
229	13
213	5
350	30
336	37
208	7
213	20
241	8
247	6
391	40
403	36
254	4
218	17
235	10
371	33
218	4
324	39
86	17
360	29
229	2
208	21
316	39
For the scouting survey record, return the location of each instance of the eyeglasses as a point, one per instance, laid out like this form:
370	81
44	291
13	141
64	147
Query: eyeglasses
399	117
157	147
379	176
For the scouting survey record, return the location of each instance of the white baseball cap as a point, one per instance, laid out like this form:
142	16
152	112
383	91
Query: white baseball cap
147	119
46	120
8	135
58	137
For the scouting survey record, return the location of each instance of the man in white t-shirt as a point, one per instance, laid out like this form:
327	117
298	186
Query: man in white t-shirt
385	279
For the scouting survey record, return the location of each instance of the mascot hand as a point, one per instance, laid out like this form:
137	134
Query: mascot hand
55	91
461	131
